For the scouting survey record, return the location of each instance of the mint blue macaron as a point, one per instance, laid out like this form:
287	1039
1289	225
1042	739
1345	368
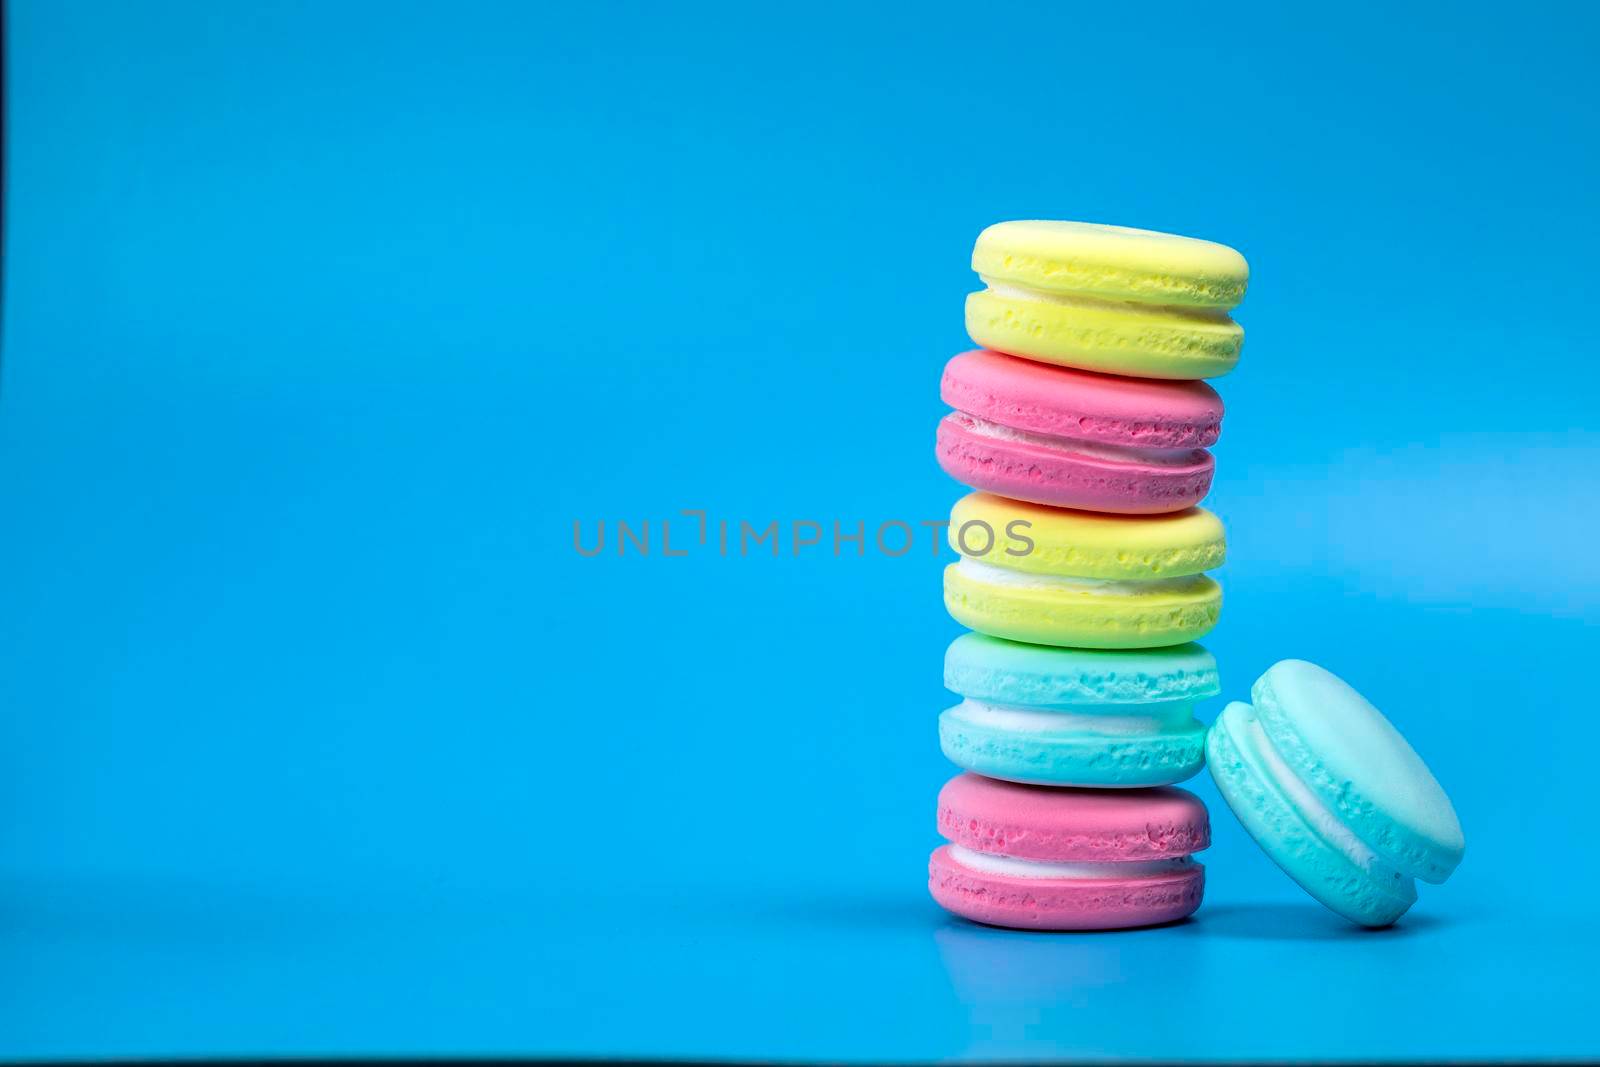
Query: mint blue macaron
1076	717
1332	792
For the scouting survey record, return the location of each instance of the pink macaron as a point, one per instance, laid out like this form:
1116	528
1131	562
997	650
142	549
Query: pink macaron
1067	859
1068	438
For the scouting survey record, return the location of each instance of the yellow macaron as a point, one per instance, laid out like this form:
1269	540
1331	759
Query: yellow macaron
1080	579
1108	298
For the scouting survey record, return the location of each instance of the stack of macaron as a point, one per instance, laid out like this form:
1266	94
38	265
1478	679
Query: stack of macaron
1082	425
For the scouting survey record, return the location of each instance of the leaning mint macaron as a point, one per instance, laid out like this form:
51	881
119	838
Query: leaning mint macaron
1108	298
1067	859
1333	793
1049	576
1076	717
1068	438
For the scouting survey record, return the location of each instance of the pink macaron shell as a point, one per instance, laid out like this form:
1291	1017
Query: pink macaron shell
1071	825
1057	401
1059	477
1063	903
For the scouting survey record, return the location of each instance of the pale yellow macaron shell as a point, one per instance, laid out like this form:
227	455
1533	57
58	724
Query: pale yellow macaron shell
1142	341
1030	539
1081	618
1035	539
1112	263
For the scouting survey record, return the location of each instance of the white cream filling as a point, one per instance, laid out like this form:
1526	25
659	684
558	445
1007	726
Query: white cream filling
1306	802
989	863
1167	457
1070	720
1013	291
979	571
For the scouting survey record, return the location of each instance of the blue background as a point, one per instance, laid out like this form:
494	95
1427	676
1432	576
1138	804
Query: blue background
325	322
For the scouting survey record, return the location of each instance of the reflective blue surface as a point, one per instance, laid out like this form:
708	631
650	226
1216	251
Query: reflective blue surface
324	324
